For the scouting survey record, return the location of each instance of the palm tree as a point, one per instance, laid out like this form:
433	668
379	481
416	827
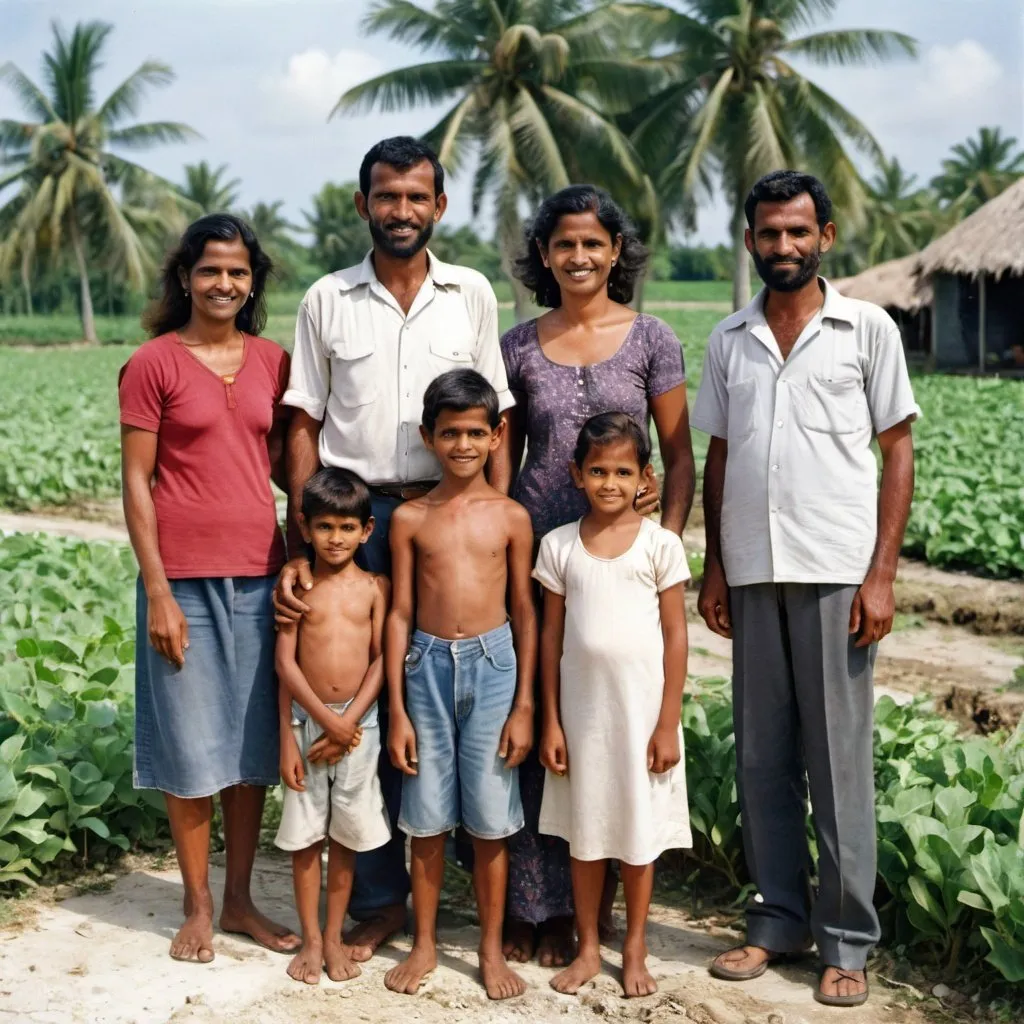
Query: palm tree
340	237
206	189
531	86
901	217
979	170
62	162
736	107
274	231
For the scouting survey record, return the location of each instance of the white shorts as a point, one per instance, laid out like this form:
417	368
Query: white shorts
343	800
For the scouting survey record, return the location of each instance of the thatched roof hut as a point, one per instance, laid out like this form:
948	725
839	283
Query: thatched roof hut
891	285
976	271
988	242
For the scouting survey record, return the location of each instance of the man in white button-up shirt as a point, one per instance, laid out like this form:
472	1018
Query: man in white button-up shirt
368	341
802	547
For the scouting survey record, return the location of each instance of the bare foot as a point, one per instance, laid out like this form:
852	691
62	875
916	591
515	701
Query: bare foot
338	960
413	970
368	935
520	941
636	979
242	918
194	941
500	981
307	964
587	965
555	945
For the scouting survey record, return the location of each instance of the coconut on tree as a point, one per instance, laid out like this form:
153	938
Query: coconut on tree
531	87
737	106
67	176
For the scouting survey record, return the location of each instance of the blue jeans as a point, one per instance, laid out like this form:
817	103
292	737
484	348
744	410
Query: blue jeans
458	694
381	879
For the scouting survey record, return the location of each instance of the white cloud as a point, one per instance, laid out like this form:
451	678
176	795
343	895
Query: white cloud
308	87
957	76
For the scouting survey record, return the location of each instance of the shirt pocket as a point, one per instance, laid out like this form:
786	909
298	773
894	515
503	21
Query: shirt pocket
835	405
742	409
354	371
451	348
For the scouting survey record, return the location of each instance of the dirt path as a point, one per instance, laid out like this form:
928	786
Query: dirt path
103	958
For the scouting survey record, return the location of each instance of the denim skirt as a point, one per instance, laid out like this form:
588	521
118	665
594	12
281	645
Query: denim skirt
212	723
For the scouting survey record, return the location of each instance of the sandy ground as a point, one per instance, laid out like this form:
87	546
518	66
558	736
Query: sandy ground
103	958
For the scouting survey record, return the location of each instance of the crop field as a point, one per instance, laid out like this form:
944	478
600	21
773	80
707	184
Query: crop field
67	630
59	442
968	507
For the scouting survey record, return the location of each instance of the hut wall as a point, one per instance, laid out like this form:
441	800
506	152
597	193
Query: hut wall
1004	321
955	307
956	320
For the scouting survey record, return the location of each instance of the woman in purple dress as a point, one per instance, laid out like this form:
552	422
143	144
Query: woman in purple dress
590	353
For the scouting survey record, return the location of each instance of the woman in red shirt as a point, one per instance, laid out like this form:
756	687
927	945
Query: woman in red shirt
202	435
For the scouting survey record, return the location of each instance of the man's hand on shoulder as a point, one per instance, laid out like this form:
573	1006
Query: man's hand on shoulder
288	607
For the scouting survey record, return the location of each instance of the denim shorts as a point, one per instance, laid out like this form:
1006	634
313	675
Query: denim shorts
458	694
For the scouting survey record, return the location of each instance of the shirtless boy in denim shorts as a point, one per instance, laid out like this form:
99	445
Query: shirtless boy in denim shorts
461	686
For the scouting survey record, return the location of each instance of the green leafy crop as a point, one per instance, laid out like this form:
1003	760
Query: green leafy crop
66	704
969	500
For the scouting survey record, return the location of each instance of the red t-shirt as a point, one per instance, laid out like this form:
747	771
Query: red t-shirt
214	505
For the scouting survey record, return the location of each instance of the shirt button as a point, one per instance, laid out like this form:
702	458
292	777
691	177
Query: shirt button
775	469
778	423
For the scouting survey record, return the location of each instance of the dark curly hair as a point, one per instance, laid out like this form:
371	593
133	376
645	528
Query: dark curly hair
530	269
780	186
172	310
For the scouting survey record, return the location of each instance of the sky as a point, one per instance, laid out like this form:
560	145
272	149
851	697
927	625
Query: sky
257	79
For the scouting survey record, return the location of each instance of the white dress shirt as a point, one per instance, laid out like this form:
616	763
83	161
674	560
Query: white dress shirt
361	365
801	495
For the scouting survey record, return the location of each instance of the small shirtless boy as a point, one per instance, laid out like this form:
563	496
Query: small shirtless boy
330	668
461	688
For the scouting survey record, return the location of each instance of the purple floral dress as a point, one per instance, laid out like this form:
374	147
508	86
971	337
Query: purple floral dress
559	399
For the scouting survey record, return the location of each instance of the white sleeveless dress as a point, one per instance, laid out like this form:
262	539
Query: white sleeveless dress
609	805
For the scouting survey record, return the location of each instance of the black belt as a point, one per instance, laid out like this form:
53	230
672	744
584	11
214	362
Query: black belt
404	492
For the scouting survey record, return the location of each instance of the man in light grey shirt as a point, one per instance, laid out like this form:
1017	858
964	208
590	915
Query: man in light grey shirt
802	548
368	341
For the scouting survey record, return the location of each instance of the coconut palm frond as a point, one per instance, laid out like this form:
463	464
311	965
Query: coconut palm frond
125	99
430	83
853	46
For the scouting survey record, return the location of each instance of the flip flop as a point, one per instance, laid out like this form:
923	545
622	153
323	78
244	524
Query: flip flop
855	1000
724	973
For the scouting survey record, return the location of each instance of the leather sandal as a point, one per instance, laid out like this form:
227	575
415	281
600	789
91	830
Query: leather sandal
725	973
858	999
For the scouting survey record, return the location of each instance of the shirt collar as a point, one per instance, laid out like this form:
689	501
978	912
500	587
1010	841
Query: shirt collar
441	273
835	307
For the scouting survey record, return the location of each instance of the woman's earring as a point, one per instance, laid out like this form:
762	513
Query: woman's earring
614	262
185	290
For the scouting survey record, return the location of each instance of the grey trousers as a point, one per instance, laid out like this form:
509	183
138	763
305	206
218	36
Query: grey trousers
803	712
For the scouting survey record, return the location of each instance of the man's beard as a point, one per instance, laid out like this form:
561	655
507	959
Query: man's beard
792	275
400	250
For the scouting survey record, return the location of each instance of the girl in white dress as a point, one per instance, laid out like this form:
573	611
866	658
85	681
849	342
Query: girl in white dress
613	665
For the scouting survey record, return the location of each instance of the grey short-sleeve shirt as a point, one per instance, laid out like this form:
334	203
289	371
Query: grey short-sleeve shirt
801	495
